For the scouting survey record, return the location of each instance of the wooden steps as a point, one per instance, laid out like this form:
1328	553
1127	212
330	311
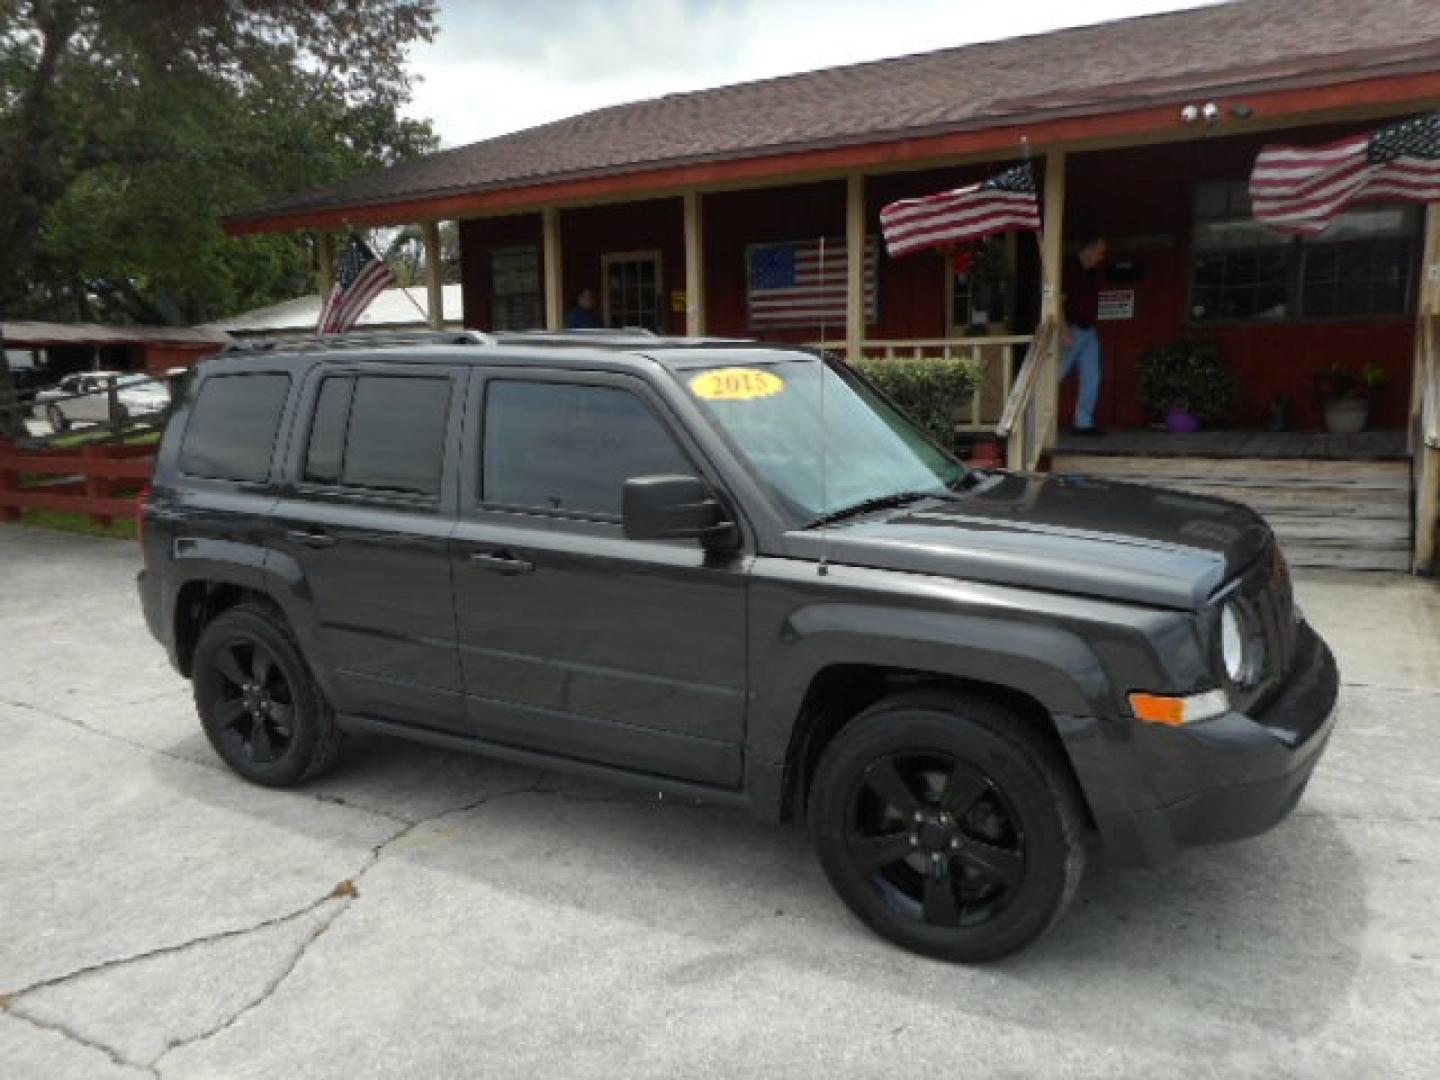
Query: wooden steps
1349	514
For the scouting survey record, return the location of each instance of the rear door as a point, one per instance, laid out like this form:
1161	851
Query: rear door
574	640
363	530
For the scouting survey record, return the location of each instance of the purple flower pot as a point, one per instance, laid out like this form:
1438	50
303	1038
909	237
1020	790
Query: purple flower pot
1180	421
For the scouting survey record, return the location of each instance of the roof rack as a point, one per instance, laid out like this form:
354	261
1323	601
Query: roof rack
366	339
588	332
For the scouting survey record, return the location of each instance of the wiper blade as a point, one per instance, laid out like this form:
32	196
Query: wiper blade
880	502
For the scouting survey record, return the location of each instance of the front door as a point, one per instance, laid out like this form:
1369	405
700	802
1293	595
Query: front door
365	526
633	295
574	640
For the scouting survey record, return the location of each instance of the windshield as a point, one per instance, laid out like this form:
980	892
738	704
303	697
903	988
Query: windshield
769	407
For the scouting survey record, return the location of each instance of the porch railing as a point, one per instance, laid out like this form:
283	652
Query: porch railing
1030	407
992	357
1425	440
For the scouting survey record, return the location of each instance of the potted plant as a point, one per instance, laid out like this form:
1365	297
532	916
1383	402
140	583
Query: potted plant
1346	394
1185	383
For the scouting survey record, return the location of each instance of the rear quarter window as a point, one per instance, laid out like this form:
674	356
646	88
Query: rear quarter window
232	427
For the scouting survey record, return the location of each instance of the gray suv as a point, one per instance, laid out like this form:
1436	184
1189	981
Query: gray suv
737	572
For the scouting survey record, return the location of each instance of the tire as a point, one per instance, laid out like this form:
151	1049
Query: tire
259	705
999	847
57	418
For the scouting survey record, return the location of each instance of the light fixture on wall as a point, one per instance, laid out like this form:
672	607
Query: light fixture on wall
1189	114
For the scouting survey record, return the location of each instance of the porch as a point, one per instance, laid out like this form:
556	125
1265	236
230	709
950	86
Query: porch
1339	501
708	247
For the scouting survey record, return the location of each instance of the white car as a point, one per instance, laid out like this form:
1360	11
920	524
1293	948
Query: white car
85	397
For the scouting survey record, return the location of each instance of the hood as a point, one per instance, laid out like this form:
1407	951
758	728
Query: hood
1066	534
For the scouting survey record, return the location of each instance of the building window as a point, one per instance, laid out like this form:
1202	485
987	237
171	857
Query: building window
632	289
516	299
1361	267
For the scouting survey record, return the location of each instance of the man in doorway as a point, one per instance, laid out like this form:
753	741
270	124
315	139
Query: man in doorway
582	314
1079	338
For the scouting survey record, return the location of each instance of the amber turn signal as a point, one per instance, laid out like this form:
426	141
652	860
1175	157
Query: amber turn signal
1163	709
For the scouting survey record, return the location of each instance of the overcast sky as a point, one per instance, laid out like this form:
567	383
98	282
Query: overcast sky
502	65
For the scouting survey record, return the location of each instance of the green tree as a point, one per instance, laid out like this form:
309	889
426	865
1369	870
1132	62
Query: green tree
127	129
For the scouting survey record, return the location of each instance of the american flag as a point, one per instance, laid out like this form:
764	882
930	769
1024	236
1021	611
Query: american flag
360	277
1004	202
1302	189
790	285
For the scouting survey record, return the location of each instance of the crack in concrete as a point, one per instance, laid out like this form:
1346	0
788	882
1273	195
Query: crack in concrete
338	800
12	1002
80	725
74	1036
347	888
273	985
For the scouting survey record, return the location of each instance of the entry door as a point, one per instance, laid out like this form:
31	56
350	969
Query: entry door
574	640
364	532
633	295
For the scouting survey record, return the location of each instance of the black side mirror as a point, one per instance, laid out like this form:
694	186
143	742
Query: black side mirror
673	508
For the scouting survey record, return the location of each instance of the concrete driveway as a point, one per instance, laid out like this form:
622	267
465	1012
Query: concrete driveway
429	915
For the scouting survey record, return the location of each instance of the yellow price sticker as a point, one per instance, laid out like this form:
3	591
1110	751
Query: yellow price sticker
736	384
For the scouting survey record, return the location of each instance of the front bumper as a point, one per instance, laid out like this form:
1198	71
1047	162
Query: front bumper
1223	779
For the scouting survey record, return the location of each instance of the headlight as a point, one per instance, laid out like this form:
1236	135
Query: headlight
1242	645
1232	644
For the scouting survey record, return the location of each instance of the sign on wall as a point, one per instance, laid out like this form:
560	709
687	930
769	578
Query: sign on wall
1116	304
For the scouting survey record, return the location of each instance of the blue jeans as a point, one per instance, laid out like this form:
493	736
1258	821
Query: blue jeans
1084	351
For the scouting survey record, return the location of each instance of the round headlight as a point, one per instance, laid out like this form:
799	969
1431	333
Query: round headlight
1232	644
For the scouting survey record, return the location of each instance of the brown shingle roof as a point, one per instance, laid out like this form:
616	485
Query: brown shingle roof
1248	44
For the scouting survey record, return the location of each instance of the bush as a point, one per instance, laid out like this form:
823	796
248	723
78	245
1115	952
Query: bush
933	392
1187	374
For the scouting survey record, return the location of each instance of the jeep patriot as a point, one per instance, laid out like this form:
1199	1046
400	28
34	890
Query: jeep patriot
735	572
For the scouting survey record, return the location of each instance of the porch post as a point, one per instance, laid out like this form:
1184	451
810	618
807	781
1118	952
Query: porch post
551	256
854	266
325	256
694	267
1052	263
1426	385
434	275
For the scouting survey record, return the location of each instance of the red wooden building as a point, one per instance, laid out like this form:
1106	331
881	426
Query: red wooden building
659	206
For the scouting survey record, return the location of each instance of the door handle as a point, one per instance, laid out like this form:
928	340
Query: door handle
309	538
502	562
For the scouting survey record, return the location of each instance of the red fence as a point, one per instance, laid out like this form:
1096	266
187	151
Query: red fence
86	480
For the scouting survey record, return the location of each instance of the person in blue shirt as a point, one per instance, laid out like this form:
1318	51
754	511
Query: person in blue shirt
582	314
1079	338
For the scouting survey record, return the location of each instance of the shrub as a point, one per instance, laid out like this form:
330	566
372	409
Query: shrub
932	391
1187	374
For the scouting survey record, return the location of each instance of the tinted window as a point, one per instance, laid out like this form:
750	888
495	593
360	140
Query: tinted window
396	435
232	427
571	447
327	431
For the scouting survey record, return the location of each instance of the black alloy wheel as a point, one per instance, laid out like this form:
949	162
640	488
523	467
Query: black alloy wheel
936	837
56	416
948	825
259	705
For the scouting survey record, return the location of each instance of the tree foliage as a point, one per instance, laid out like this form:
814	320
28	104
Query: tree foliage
127	129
